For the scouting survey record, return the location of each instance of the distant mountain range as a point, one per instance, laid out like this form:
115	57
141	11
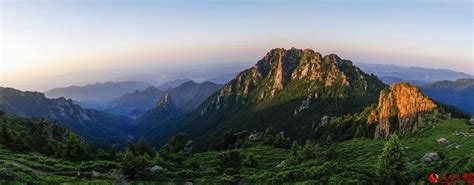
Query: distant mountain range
389	74
392	80
173	83
187	97
96	126
459	93
93	95
222	79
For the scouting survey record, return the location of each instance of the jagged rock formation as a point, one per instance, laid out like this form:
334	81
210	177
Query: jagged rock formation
401	107
166	104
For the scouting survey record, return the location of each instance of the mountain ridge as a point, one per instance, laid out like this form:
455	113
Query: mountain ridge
96	126
414	75
457	93
267	95
187	96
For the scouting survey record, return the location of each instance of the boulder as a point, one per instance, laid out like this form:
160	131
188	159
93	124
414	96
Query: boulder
282	163
95	173
156	168
255	136
430	157
325	120
442	141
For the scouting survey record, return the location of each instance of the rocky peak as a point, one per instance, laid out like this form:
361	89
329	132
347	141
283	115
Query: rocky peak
401	107
304	72
167	104
165	101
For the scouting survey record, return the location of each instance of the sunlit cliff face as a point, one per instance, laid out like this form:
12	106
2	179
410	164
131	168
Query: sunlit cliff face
400	108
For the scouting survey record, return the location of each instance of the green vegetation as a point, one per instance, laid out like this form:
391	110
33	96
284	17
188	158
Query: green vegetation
392	164
355	160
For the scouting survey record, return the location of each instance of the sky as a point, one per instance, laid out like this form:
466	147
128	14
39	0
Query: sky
50	43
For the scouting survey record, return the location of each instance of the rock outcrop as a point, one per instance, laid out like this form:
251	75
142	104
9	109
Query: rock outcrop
431	157
401	107
166	104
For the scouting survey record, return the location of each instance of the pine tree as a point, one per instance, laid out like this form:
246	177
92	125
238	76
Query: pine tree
293	156
113	151
330	153
251	161
73	148
7	136
328	141
127	163
134	167
142	147
279	140
131	146
308	151
391	164
177	143
230	159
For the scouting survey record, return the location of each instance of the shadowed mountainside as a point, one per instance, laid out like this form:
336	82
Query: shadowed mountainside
96	126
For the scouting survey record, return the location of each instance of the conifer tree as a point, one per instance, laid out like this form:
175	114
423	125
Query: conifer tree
113	151
135	167
131	146
143	147
73	149
308	151
7	136
293	156
391	165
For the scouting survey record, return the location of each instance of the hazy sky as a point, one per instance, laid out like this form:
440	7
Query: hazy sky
44	42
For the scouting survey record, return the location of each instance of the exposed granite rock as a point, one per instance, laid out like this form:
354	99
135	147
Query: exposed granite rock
442	141
401	107
431	157
305	103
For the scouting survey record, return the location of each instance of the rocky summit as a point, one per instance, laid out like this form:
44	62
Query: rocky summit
283	74
166	104
401	107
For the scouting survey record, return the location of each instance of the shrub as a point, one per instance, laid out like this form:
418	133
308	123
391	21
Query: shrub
230	159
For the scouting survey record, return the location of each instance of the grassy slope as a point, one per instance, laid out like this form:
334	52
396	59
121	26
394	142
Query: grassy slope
355	160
